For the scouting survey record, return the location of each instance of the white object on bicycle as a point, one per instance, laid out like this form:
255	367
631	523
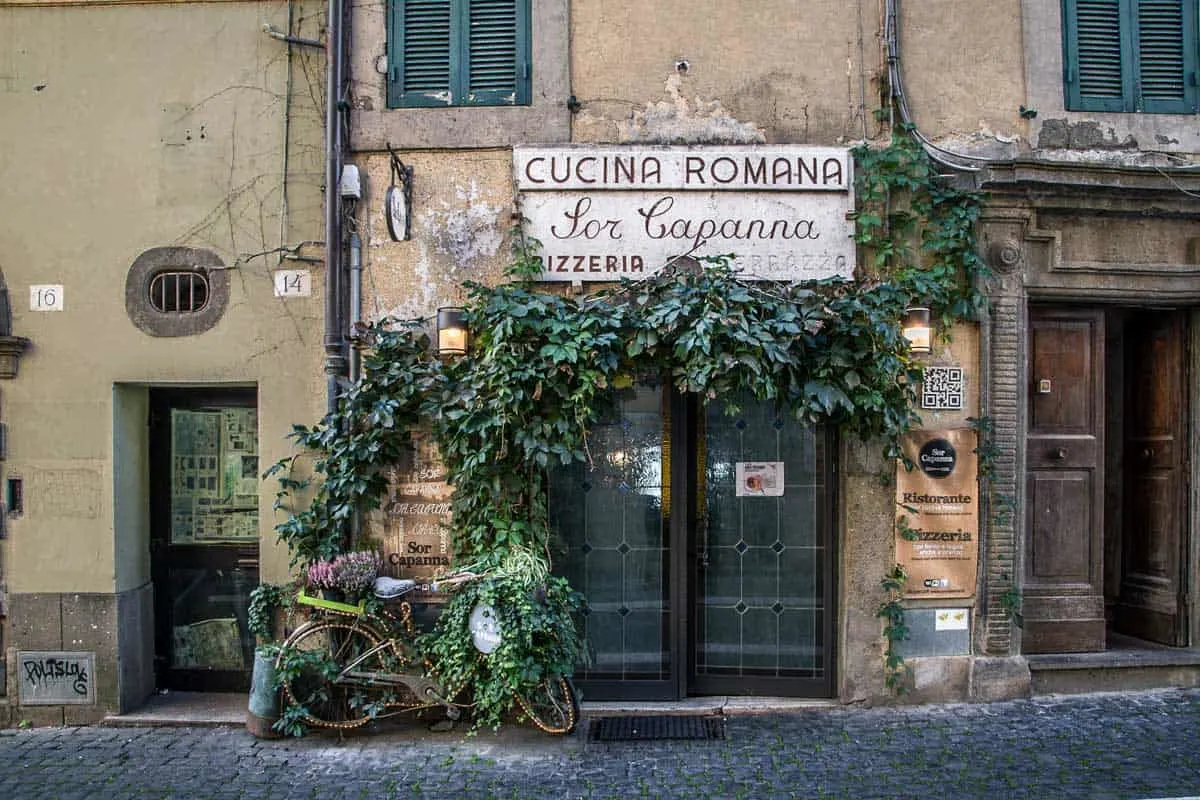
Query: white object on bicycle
485	628
387	588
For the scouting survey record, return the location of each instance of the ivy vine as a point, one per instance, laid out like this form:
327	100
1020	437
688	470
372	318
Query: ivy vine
896	674
542	370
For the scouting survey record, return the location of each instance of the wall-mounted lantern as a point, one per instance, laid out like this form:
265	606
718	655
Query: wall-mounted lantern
453	337
918	329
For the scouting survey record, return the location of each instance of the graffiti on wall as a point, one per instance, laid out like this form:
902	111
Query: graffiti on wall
56	678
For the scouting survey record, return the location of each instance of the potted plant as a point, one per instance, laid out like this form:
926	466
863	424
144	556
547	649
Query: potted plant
263	710
345	578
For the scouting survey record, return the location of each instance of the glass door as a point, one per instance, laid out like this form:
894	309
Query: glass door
703	544
612	521
761	563
204	539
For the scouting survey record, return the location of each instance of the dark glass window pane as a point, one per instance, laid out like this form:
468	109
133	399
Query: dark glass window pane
762	552
612	539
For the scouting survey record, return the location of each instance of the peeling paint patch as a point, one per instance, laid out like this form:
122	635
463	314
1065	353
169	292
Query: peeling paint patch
676	121
1086	135
456	242
466	232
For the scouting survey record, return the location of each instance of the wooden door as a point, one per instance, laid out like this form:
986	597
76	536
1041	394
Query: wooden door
1150	605
1063	595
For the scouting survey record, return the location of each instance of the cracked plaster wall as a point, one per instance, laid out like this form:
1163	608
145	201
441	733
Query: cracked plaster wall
778	73
461	212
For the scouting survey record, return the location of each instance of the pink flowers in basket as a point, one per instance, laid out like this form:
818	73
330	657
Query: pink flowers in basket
352	573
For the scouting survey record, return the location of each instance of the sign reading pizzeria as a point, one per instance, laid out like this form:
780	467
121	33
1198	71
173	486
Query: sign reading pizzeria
937	513
602	213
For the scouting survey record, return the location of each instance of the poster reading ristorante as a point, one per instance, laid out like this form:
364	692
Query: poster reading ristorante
937	513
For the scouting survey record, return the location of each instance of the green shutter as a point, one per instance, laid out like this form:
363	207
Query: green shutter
1166	56
1097	74
493	45
1130	55
458	52
420	67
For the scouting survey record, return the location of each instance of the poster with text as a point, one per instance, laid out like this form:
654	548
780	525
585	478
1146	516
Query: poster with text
937	513
416	539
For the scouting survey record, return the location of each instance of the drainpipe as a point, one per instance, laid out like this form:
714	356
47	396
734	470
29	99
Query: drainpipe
335	351
355	299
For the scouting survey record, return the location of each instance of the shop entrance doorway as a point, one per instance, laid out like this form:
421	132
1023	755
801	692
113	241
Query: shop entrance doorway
703	542
1107	462
204	536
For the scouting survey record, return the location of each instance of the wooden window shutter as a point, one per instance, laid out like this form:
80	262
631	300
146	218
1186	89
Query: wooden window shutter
421	61
458	52
1166	40
1096	48
497	44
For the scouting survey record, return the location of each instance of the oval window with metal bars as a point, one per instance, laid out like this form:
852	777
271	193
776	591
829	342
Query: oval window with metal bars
179	292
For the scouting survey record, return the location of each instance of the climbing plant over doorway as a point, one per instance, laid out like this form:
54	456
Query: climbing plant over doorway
542	366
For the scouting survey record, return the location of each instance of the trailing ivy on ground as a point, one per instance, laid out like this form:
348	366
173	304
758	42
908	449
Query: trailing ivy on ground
543	368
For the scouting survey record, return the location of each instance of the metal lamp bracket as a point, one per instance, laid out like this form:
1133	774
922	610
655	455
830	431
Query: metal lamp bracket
398	200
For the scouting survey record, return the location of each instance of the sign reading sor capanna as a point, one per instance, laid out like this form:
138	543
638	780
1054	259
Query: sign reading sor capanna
606	212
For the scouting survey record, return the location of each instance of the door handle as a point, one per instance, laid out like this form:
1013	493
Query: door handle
1059	454
1148	453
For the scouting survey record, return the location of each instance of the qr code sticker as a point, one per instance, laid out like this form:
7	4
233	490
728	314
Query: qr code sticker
942	388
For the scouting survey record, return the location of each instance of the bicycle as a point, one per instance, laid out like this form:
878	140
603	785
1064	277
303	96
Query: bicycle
346	666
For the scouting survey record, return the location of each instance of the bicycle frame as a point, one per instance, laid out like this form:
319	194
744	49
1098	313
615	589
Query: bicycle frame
428	692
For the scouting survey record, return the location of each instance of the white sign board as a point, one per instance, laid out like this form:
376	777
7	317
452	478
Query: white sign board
602	213
46	297
293	283
758	479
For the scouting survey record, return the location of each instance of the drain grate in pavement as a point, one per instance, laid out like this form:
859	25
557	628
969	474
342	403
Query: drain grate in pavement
636	729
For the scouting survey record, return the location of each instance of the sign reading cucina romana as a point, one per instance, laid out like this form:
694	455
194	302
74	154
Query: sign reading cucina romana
602	213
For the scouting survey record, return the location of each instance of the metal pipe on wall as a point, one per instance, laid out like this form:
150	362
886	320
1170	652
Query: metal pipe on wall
335	350
355	299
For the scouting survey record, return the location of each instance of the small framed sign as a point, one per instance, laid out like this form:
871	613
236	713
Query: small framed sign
47	678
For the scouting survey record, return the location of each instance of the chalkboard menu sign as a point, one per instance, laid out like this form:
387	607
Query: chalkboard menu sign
416	539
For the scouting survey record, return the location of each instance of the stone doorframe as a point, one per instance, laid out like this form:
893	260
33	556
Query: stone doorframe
1071	233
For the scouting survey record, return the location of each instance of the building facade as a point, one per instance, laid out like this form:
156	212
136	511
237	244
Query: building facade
621	135
1089	231
164	172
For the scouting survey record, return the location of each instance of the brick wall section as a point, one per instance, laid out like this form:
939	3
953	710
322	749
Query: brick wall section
1007	375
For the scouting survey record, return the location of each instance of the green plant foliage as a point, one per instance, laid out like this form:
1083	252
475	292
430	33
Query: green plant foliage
264	600
539	639
896	674
541	369
353	446
918	228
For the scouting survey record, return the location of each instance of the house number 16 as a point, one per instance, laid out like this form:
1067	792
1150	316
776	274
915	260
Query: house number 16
46	297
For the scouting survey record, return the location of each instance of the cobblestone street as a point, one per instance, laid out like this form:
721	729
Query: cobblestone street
1133	745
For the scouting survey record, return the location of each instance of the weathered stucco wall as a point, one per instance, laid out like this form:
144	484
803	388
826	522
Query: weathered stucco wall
128	128
462	206
963	72
671	72
1089	136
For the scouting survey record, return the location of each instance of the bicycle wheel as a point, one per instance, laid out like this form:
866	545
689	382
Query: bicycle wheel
314	661
552	705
